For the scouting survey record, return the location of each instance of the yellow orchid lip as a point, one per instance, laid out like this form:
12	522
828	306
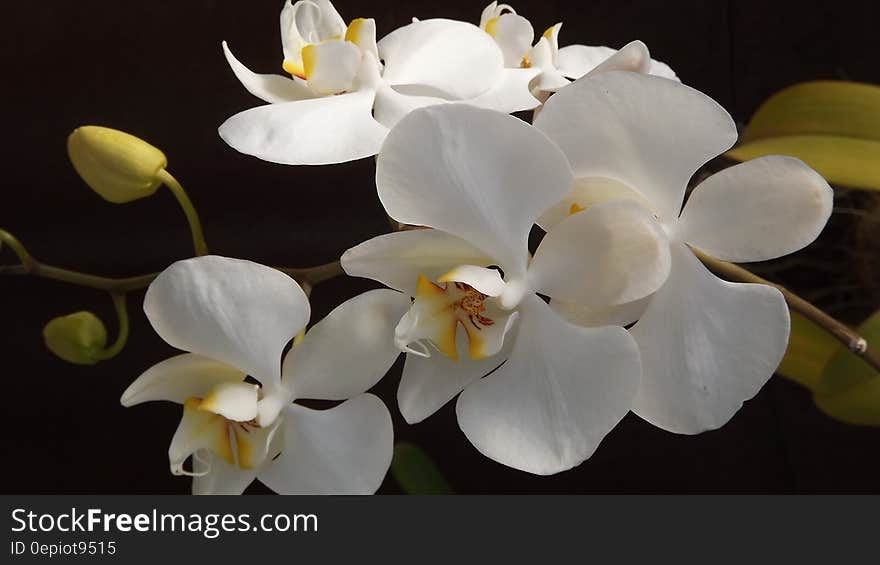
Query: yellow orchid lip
490	25
294	68
452	305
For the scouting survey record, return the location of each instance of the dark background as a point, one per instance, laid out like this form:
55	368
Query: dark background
155	69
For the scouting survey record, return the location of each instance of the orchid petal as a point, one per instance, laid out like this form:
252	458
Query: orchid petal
391	106
707	346
757	210
199	430
619	315
653	135
633	57
362	32
442	167
270	88
347	352
178	378
310	21
213	475
237	312
236	401
430	382
607	255
577	60
486	281
510	94
343	450
454	58
331	66
320	131
560	392
588	192
397	259
513	34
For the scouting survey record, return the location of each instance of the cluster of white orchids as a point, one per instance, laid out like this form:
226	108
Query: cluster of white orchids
546	351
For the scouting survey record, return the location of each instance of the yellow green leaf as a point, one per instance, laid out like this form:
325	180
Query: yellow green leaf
809	350
849	388
834	126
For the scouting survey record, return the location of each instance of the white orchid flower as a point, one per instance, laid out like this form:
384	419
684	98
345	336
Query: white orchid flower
552	66
346	91
235	318
480	179
707	345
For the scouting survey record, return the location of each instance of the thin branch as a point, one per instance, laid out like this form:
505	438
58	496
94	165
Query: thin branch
854	342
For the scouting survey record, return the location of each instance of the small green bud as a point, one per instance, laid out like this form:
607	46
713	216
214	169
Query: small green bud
77	338
118	166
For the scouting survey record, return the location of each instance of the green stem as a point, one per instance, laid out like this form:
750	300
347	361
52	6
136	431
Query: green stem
119	303
195	226
23	256
310	277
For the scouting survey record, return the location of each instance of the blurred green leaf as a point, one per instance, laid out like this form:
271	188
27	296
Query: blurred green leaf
833	126
415	472
849	388
810	349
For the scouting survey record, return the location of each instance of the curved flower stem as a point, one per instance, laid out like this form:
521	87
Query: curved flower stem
306	276
23	256
195	226
119	303
857	344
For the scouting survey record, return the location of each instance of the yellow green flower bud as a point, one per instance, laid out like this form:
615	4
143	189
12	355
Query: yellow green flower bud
77	338
118	166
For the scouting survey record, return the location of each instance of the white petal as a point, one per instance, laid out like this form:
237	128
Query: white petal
397	259
647	132
331	66
178	378
430	382
560	392
454	58
213	475
320	131
707	346
237	312
510	94
633	57
391	106
198	431
347	352
549	80
343	450
513	34
574	61
758	210
607	255
487	281
577	60
588	192
490	11
362	32
234	401
443	167
270	88
661	69
619	315
306	22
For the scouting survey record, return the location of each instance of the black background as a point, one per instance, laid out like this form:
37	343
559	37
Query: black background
155	69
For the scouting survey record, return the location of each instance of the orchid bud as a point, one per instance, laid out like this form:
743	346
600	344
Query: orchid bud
77	338
118	166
